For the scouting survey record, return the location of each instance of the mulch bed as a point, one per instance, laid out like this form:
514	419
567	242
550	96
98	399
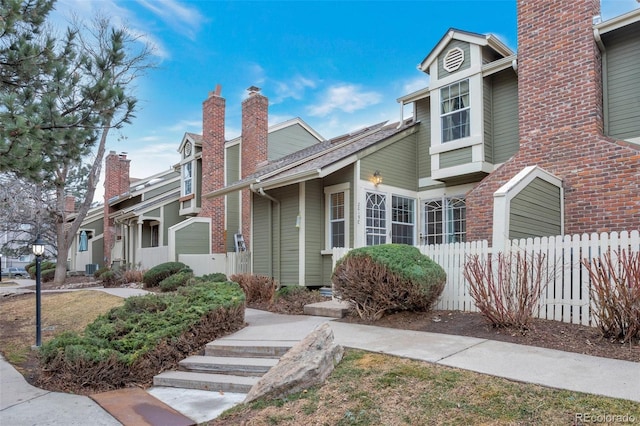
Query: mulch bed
542	333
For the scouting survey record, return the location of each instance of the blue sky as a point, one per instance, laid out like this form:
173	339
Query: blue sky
337	65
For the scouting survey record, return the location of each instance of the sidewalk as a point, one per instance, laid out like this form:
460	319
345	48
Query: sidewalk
21	403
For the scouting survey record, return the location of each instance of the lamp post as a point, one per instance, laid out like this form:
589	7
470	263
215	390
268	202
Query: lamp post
38	250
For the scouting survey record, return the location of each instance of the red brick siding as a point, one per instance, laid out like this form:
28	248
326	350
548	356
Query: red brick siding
213	119
560	124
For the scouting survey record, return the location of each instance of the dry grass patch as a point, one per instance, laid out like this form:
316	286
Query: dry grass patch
69	311
375	389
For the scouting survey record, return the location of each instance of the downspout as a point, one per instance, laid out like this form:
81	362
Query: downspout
262	193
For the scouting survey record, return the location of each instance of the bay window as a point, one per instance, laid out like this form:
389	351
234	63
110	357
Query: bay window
444	221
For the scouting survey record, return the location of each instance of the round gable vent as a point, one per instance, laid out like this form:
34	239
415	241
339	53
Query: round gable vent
453	59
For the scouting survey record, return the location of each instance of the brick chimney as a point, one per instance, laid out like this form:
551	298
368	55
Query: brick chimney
116	182
561	124
69	204
255	130
213	119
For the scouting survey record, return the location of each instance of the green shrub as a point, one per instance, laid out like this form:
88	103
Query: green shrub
257	288
47	274
44	265
155	275
100	271
174	281
292	299
387	278
147	334
217	277
110	278
290	290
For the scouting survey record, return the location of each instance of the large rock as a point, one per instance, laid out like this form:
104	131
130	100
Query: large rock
306	364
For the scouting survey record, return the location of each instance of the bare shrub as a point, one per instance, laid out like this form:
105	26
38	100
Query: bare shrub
387	278
507	290
615	294
132	276
257	288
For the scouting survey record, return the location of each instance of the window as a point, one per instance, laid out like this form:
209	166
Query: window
402	220
376	227
188	178
337	218
454	112
445	221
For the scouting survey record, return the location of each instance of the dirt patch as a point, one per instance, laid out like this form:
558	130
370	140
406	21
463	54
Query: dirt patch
542	333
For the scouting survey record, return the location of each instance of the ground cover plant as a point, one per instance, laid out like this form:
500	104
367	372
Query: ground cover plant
130	344
381	279
376	389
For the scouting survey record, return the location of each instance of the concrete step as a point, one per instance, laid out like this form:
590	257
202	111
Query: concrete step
248	348
205	381
228	365
329	308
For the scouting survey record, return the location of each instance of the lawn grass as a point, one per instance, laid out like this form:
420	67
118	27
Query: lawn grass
375	389
65	311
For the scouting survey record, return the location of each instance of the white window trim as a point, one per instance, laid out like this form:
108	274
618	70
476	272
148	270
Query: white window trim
328	190
443	198
184	179
389	193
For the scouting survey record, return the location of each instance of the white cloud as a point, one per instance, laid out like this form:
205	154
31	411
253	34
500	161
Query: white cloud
194	126
293	89
344	97
183	19
415	84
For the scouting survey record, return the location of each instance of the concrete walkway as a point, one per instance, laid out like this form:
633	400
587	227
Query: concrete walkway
21	403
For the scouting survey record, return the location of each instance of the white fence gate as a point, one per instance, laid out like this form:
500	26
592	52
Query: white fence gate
566	297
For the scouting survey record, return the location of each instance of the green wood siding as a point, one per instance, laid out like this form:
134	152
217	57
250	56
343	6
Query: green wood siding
146	235
423	115
232	158
314	232
327	263
97	225
342	176
288	235
535	211
153	213
504	116
456	157
622	81
262	237
193	239
97	251
171	217
287	141
487	119
233	219
442	73
397	163
162	190
233	199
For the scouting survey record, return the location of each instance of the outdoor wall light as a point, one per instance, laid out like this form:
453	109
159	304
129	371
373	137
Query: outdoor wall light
377	178
38	249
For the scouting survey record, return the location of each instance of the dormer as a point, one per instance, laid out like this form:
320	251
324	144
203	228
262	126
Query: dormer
190	165
460	102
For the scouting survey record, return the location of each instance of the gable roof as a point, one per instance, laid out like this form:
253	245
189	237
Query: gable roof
454	34
317	160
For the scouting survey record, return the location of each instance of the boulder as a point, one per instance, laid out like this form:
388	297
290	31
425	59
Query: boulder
306	364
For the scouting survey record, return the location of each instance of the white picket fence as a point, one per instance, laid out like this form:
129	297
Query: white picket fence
565	298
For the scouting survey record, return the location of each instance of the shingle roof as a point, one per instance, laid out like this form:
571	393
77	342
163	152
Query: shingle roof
320	155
